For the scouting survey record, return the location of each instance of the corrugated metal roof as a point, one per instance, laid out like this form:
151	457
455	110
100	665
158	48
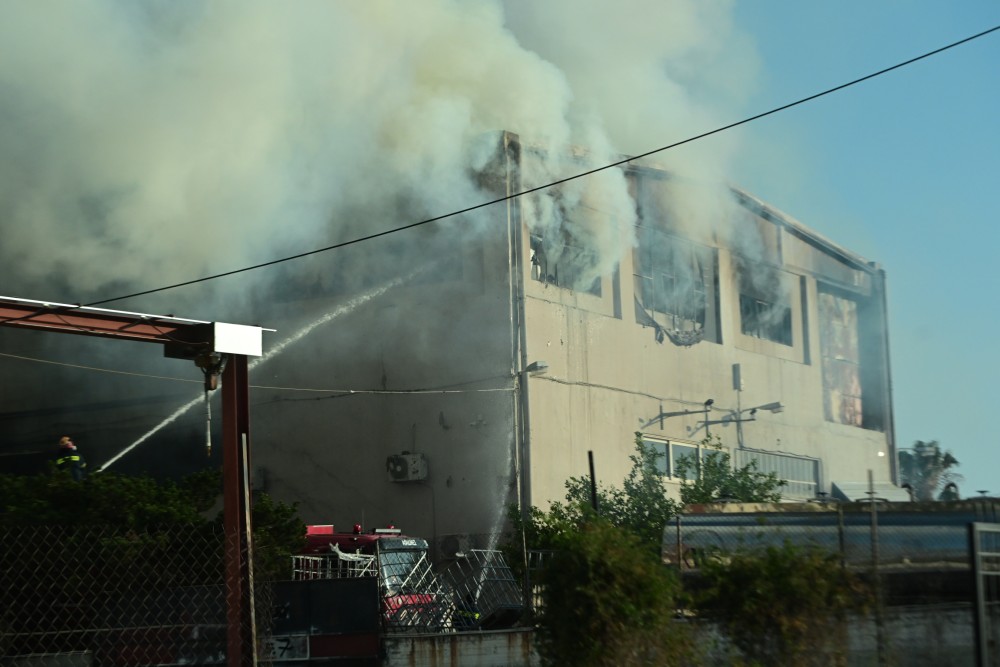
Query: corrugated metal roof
857	491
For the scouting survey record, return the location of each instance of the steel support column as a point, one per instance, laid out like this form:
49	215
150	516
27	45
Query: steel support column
241	631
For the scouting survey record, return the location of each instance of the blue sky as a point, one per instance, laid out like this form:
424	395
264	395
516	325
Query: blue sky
905	170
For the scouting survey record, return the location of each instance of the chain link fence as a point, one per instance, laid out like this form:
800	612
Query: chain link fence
916	557
880	534
104	596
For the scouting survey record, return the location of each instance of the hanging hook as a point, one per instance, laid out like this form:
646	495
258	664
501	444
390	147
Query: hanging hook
211	364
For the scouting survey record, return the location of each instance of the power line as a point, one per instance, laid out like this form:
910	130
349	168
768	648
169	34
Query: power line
346	392
582	174
95	368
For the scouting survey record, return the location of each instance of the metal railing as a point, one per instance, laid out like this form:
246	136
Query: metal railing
412	597
486	593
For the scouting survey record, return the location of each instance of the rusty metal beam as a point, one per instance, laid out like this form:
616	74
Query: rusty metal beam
82	320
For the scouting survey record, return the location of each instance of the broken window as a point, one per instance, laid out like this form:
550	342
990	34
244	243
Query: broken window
562	262
841	359
675	284
765	319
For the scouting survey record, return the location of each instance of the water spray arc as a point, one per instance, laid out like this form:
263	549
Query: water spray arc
340	311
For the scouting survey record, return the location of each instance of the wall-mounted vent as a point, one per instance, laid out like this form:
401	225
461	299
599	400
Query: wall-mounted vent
406	467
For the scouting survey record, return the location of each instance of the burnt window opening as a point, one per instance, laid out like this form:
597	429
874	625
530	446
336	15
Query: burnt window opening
675	283
765	319
851	361
562	263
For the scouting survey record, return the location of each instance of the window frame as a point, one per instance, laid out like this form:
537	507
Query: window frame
754	320
743	456
658	258
833	362
540	266
666	458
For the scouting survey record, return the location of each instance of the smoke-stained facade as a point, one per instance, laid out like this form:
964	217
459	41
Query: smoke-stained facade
516	372
753	310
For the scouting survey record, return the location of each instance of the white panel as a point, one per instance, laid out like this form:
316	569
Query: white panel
237	339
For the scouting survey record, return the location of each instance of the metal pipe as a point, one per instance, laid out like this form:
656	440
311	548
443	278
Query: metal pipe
593	481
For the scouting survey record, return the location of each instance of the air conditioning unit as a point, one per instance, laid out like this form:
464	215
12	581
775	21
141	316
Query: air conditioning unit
406	467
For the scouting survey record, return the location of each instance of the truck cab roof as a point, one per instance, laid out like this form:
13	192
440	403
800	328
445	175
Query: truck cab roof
321	538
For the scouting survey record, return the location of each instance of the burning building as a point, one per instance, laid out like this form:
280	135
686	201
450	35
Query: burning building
485	377
434	376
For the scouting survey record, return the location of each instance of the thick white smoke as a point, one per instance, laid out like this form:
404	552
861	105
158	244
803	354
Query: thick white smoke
152	142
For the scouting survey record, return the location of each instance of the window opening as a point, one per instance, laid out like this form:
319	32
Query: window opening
668	454
800	473
562	262
841	359
765	319
674	286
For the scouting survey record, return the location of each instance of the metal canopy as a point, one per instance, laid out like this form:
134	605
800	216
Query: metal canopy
858	491
181	337
84	320
184	338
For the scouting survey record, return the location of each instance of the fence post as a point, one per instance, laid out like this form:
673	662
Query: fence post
876	579
840	537
678	554
979	605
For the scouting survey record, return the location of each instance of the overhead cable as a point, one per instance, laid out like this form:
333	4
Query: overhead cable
567	179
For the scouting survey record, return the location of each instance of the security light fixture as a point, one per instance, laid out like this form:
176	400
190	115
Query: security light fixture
737	417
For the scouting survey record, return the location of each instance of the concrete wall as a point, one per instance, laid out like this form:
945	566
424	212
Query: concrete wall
918	636
925	636
512	648
429	365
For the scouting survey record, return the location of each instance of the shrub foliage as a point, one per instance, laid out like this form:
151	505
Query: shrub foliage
781	605
608	601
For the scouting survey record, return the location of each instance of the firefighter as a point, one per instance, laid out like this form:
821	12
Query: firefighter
466	616
69	458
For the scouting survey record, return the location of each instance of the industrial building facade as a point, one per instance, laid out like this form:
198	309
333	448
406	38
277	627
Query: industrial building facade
485	378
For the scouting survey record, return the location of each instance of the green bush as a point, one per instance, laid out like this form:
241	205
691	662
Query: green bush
608	601
781	605
150	515
640	506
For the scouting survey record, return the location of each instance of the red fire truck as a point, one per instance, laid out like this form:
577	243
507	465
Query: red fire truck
412	598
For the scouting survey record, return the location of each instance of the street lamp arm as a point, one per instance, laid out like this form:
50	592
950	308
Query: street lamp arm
676	413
